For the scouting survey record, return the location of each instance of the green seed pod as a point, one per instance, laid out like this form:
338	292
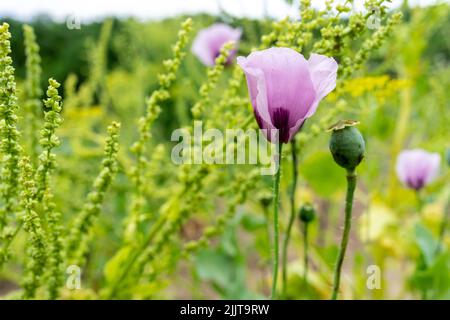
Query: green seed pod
307	213
347	144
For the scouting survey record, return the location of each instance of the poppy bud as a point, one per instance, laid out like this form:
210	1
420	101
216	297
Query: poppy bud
265	198
307	213
347	144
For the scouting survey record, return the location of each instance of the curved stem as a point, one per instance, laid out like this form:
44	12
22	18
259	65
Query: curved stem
276	191
305	252
287	235
351	184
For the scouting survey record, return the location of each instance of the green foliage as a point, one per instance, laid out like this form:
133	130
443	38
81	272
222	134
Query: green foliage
47	163
431	277
33	92
153	110
32	224
77	242
9	135
212	79
48	139
56	254
144	227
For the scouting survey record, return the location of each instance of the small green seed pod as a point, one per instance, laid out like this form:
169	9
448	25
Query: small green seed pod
347	144
307	213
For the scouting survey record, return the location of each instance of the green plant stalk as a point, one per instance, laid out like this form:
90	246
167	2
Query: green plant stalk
151	235
443	227
55	260
351	184
305	252
420	204
213	75
165	226
4	250
240	189
287	235
33	92
153	110
36	237
276	193
268	231
46	160
48	139
10	148
77	241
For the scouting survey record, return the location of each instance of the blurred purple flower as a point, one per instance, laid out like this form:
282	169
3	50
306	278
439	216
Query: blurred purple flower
285	88
210	40
416	168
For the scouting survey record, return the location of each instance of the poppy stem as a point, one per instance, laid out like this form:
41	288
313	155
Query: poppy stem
419	202
276	192
351	184
287	235
305	252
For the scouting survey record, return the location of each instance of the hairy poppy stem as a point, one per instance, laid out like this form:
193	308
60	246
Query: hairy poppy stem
276	192
351	184
287	235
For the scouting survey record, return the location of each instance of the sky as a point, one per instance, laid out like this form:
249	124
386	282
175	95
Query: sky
88	10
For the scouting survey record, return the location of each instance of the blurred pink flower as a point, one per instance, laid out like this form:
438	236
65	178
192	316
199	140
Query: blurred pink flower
210	40
416	168
285	88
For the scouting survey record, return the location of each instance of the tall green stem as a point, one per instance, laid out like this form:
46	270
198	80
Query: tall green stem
420	204
351	184
287	235
305	252
276	192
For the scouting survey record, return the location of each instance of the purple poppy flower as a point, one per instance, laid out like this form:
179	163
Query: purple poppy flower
209	41
417	168
285	88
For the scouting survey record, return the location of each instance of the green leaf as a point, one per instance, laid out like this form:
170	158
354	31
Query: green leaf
435	280
440	275
252	222
426	243
114	266
215	266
